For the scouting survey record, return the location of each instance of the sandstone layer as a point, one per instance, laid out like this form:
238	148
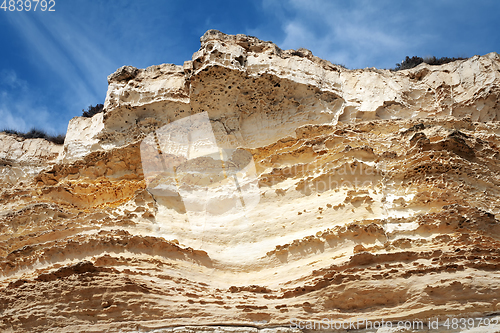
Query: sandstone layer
379	198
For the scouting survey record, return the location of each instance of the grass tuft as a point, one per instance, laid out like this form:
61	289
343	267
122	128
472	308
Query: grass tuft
36	133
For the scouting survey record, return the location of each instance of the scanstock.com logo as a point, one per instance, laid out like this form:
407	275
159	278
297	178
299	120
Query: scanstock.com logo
217	185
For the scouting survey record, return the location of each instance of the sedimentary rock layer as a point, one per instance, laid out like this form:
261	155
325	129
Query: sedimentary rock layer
378	199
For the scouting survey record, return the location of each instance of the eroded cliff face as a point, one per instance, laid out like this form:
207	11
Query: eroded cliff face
378	199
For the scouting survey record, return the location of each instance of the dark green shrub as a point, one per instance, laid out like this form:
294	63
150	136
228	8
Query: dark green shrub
440	61
93	110
415	61
409	63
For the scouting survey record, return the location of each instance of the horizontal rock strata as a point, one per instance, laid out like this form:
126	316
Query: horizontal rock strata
378	199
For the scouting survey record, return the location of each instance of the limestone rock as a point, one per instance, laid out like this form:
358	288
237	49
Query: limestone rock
21	159
378	198
32	151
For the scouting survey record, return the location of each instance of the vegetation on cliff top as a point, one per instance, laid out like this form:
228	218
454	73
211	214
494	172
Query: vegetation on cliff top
92	110
415	61
36	133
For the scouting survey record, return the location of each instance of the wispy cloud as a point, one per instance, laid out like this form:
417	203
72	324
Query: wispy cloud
65	58
365	33
353	33
9	78
64	51
22	116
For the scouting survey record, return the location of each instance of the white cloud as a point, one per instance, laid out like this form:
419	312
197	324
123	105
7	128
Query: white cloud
8	77
20	114
9	120
19	109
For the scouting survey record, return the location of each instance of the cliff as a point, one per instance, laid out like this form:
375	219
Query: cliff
253	188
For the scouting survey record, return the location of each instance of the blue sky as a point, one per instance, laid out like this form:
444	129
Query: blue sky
54	64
